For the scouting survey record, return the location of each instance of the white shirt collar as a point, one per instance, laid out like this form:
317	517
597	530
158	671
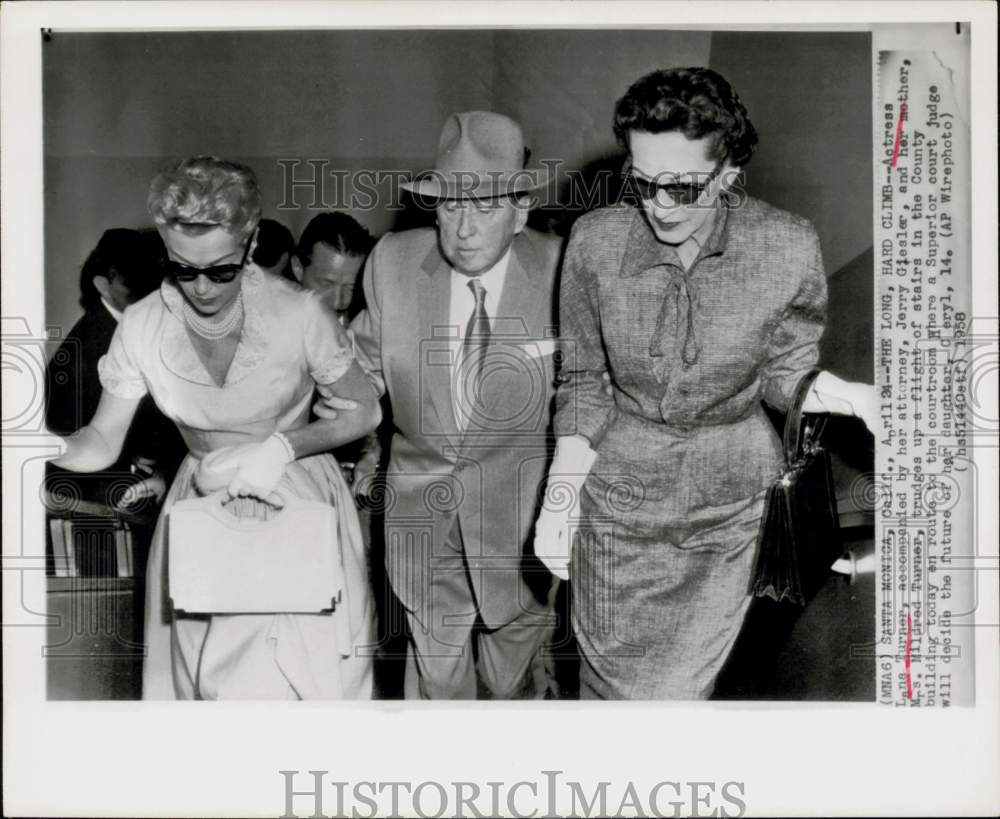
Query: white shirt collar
492	279
116	314
463	301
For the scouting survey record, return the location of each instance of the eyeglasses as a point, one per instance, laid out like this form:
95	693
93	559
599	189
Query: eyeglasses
676	193
218	273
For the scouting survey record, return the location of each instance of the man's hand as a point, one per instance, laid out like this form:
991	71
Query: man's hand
155	487
330	406
364	471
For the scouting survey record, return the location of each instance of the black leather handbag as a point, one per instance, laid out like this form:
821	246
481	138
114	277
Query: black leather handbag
799	535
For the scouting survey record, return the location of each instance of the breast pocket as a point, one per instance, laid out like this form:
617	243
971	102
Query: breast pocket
517	385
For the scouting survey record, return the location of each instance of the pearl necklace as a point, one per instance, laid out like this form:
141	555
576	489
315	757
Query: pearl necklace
211	330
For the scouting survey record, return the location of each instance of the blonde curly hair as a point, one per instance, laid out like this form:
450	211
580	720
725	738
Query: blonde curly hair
202	192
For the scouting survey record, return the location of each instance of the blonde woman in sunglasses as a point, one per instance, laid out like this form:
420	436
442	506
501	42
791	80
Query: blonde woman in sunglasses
233	356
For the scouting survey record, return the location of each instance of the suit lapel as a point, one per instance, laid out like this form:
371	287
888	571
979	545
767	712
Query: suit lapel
520	293
434	375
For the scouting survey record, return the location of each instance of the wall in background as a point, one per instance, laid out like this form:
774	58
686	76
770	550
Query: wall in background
562	85
809	96
119	107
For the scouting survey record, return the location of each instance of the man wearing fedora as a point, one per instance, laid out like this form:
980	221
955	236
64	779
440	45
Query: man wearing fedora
460	329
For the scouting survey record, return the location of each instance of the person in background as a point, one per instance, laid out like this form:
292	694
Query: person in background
329	258
328	261
275	247
122	269
694	307
233	355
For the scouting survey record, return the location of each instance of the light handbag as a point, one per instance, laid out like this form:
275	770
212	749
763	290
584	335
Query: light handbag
218	563
799	535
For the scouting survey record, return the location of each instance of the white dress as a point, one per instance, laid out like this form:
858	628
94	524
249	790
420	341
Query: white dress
288	344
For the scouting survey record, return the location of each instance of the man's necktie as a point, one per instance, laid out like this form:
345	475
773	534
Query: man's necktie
470	365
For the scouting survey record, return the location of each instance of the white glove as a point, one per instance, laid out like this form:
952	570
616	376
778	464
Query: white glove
834	395
570	467
250	469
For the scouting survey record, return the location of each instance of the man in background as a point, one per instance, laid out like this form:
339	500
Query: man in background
274	250
119	271
329	257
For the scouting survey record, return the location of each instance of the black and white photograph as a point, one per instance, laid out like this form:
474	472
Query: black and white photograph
464	382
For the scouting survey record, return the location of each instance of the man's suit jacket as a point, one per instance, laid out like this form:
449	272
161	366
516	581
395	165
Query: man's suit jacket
489	475
73	391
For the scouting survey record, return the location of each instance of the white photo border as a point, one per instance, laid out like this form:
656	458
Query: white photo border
133	759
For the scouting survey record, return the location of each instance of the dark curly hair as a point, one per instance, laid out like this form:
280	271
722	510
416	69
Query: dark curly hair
274	240
130	256
698	102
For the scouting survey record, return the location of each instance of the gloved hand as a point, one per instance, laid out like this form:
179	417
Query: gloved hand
248	469
832	394
570	467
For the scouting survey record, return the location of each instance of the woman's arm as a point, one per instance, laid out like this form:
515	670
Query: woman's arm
794	350
793	345
98	445
832	394
583	403
255	469
259	467
323	435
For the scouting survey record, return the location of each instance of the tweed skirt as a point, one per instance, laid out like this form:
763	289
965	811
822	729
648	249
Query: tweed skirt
663	554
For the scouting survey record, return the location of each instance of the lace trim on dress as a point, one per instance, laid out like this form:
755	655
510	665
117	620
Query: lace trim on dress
337	364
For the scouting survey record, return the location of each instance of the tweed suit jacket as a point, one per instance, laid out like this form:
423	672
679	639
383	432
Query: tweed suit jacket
691	353
487	476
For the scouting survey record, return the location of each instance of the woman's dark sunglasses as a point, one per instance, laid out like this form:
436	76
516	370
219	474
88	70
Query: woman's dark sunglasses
680	193
219	273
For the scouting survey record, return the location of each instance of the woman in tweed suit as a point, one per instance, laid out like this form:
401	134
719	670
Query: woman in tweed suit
697	305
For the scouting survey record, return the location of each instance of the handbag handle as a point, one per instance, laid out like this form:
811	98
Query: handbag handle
214	505
795	438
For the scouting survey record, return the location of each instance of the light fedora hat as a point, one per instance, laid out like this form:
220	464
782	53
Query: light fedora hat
480	154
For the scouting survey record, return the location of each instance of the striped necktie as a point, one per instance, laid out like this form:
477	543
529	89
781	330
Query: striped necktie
469	371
